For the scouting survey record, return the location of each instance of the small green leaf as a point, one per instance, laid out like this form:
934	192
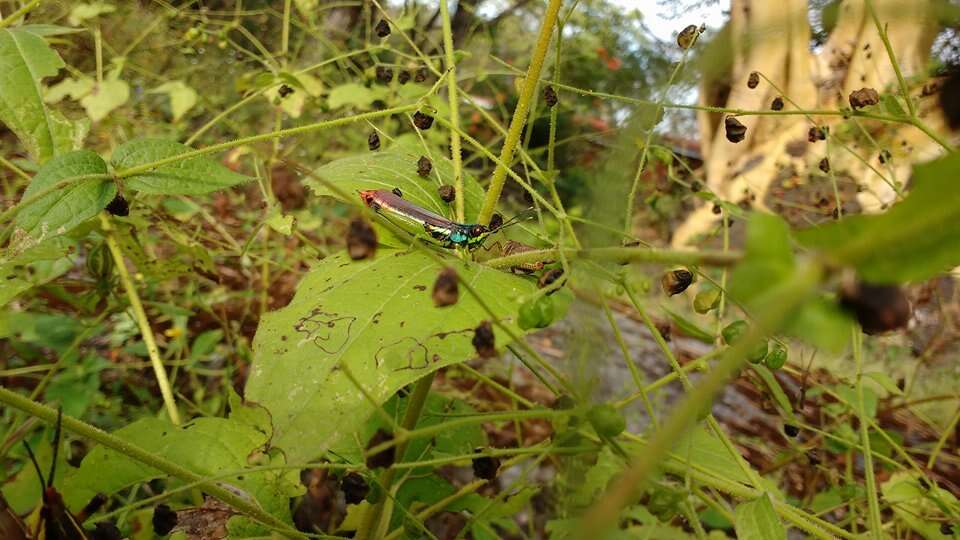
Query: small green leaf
25	59
703	450
757	520
689	327
377	318
194	176
104	98
46	30
60	211
914	240
885	381
74	88
280	222
182	97
354	94
397	168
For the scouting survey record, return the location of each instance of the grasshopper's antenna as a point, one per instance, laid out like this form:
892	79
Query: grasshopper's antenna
526	214
56	445
36	465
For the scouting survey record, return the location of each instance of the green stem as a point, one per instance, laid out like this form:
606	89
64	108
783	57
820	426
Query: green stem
520	113
139	169
132	451
141	316
622	255
773	309
453	102
370	526
27	8
873	504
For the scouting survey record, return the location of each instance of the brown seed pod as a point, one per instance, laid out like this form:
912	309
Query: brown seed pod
884	156
164	520
118	206
383	28
446	289
878	308
361	239
735	130
447	193
549	95
420	75
483	340
373	141
354	487
422	121
687	36
817	134
403	76
384	458
284	91
864	97
825	165
949	90
777	104
486	467
549	277
753	80
384	74
676	281
717	209
424	166
696	186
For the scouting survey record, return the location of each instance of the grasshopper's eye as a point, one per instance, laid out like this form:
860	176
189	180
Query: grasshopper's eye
477	230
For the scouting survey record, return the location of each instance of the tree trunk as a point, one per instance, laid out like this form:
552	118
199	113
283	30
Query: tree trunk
773	38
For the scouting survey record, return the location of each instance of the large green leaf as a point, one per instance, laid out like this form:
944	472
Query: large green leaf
757	520
769	261
376	317
207	446
703	450
25	59
914	240
61	210
397	168
193	176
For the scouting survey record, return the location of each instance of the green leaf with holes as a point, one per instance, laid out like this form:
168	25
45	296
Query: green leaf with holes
914	240
376	319
191	176
397	168
59	211
26	59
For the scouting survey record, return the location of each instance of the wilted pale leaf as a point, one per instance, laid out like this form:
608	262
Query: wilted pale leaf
82	12
182	97
355	94
104	98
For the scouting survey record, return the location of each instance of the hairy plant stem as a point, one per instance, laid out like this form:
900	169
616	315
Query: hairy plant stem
82	429
15	16
622	255
773	308
520	113
873	503
141	316
370	526
453	103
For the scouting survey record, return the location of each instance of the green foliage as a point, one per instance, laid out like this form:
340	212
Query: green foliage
375	320
227	448
396	168
192	176
26	59
757	520
58	212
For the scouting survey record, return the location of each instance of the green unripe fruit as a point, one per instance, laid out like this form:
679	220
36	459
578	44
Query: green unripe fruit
706	299
606	420
734	331
777	357
536	313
